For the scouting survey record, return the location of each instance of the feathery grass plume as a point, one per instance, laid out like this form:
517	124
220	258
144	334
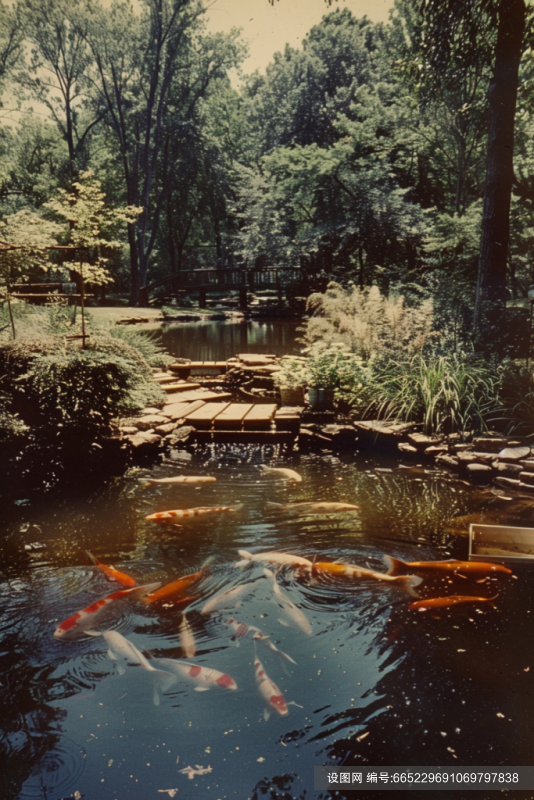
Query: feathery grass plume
367	321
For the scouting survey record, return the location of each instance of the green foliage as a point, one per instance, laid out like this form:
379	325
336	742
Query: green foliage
293	373
31	235
367	321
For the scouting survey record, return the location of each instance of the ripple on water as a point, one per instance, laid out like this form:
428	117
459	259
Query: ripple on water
56	773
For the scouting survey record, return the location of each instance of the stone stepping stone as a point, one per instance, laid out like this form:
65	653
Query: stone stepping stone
260	416
232	416
514	453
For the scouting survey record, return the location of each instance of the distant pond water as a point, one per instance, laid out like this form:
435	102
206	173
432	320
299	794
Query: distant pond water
375	683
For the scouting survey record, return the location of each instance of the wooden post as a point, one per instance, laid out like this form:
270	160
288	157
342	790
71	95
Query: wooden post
11	313
82	301
243	298
202	298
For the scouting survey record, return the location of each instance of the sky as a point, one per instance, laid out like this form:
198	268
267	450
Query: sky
267	29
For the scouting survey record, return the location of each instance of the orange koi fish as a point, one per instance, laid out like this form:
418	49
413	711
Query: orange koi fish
273	558
87	618
406	582
112	573
315	508
270	692
187	640
178	589
395	565
188	514
205	678
451	600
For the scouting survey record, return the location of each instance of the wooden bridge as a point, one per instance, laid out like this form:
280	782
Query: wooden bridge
213	279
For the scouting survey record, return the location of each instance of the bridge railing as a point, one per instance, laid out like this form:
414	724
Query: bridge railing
232	278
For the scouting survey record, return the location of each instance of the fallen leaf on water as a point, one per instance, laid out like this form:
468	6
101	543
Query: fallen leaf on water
461	651
196	770
527	669
443	733
170	792
363	736
260	759
500	715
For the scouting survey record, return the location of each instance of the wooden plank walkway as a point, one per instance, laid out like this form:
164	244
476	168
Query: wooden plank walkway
232	416
185	369
198	394
203	417
180	410
180	387
260	416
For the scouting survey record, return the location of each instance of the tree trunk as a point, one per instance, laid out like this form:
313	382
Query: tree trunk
490	302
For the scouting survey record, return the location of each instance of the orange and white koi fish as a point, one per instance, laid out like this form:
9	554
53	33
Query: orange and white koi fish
187	640
205	678
227	599
451	600
112	573
315	508
395	565
178	589
124	652
188	514
241	630
284	559
273	697
87	618
178	479
406	582
294	614
284	472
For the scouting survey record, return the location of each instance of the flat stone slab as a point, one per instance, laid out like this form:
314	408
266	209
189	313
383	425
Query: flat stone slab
514	453
150	421
183	386
256	359
421	440
490	443
198	394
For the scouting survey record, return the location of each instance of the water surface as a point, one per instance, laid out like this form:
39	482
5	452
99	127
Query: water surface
375	683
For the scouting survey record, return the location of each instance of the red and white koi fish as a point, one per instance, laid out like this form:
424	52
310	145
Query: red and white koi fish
314	508
273	697
451	600
241	630
294	614
406	582
395	565
178	479
112	573
189	514
123	652
205	678
187	640
87	618
227	599
273	558
284	472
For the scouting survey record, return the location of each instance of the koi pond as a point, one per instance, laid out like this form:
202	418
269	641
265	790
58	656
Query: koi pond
364	679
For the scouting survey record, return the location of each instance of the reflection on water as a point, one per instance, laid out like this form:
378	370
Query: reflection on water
374	683
210	341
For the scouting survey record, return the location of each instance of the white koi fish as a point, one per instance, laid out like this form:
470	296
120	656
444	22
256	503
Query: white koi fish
284	472
205	678
241	630
123	652
188	514
227	599
187	640
315	507
273	558
178	479
87	618
294	614
273	697
406	582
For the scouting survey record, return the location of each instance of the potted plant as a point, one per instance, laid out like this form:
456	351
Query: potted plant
325	369
291	380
